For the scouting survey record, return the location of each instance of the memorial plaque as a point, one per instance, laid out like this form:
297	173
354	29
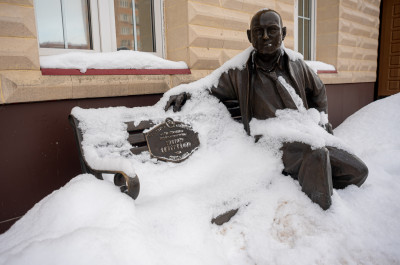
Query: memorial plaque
172	141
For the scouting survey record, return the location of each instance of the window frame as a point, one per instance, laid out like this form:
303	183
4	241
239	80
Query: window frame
102	22
313	20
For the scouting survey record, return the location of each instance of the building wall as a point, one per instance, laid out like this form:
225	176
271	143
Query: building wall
347	37
19	55
203	33
327	28
207	33
38	150
21	79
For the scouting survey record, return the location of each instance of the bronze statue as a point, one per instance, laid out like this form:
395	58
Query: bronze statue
259	94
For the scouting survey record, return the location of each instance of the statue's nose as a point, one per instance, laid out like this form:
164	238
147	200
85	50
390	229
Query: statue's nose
265	35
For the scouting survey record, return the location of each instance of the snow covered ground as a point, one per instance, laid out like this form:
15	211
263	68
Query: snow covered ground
89	221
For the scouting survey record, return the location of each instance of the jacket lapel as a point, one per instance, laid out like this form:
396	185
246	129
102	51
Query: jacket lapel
296	79
245	95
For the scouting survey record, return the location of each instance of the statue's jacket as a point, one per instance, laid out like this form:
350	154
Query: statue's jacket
326	168
236	85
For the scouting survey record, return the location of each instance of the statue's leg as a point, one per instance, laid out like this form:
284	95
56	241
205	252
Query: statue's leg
313	170
347	169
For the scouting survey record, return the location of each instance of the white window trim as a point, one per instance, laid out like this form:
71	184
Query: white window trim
313	28
103	29
95	35
296	25
106	22
159	28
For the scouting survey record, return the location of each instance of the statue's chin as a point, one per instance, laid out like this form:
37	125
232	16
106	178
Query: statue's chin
267	50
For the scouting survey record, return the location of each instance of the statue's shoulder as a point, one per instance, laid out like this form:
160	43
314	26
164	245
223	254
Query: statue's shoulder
294	58
236	72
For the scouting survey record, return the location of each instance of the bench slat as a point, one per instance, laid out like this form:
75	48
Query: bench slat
231	103
138	150
235	112
130	185
140	127
137	138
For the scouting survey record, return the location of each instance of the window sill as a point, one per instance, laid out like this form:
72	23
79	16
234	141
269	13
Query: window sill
52	71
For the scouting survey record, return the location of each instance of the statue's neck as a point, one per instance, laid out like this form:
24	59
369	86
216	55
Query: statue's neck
267	61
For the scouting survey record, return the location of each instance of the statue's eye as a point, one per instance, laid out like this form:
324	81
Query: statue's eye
273	31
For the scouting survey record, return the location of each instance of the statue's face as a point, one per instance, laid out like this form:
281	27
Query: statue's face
266	32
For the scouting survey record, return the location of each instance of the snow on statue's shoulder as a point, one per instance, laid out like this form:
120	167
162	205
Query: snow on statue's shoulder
293	56
237	62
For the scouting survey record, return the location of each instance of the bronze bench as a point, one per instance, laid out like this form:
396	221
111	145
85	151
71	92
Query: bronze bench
131	185
127	184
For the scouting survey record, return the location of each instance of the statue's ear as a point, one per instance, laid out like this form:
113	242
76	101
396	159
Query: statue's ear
249	35
283	33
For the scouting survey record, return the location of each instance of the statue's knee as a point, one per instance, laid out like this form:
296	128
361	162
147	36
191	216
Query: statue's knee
362	174
320	153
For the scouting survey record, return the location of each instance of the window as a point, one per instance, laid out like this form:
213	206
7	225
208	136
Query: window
140	29
125	18
91	25
63	24
306	28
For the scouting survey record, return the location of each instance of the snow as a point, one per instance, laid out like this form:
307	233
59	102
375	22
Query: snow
293	55
89	221
108	60
314	65
292	125
296	98
137	60
320	66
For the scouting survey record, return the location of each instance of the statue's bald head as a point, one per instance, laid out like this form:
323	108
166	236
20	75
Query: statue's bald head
266	31
257	16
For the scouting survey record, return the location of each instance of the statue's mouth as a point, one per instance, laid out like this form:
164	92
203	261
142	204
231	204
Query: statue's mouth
269	44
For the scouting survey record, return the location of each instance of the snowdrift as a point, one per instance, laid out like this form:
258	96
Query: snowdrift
89	221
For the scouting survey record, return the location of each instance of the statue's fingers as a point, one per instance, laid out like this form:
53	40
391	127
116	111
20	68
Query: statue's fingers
169	103
176	108
179	102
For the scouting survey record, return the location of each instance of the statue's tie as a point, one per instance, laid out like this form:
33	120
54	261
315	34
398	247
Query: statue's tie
285	96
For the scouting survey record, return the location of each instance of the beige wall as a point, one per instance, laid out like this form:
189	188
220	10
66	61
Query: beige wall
21	79
18	45
206	33
203	33
347	37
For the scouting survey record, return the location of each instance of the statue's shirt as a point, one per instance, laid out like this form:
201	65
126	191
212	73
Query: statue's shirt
269	95
259	93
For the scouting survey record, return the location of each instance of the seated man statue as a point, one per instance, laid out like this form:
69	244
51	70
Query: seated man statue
260	93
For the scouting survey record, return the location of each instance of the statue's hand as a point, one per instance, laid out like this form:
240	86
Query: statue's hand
177	101
328	128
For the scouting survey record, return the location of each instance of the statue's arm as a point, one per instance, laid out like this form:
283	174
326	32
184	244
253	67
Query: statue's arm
177	101
223	91
316	95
